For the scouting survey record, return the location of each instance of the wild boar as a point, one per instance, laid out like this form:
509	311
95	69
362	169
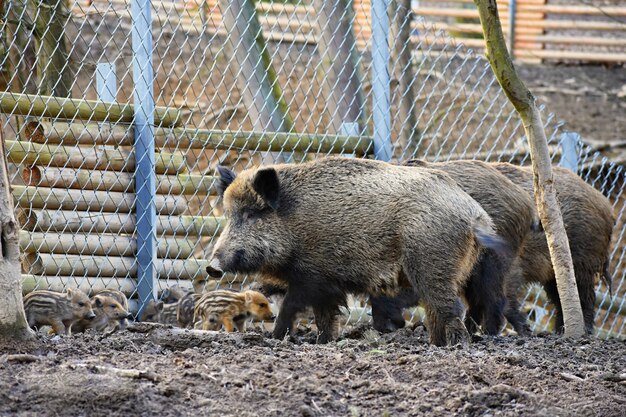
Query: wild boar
336	226
173	294
108	314
59	310
493	290
231	309
159	312
121	298
185	308
588	218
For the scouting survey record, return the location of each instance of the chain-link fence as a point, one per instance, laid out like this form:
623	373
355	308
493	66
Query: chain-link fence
238	83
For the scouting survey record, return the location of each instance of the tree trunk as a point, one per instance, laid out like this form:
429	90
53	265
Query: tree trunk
20	52
403	74
252	63
547	205
13	323
53	70
339	72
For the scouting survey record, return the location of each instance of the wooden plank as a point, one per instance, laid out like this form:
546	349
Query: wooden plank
59	133
100	244
613	11
70	221
71	109
268	141
574	55
80	179
86	200
27	153
91	285
572	25
438	40
469	28
574	40
110	266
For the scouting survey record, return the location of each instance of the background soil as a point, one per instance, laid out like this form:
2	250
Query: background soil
363	374
590	99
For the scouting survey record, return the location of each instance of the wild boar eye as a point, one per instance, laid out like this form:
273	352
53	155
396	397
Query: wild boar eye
250	215
263	305
112	306
81	304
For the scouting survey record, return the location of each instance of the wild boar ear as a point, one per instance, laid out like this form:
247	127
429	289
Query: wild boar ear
226	177
98	301
69	293
266	183
159	306
248	297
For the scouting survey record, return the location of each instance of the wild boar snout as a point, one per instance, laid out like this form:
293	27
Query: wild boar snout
215	268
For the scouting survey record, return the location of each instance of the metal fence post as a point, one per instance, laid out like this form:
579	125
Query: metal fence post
381	112
106	82
106	87
569	148
145	178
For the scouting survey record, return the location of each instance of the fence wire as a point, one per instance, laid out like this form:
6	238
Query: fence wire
246	83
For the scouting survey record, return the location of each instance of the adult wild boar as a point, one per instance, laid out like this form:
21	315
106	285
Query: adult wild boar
336	226
493	290
588	218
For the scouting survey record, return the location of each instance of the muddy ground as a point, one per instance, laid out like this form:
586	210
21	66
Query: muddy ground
590	99
154	370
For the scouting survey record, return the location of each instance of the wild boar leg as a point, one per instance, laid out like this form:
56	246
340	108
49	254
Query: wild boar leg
587	294
517	318
228	324
240	324
485	293
59	328
553	296
443	319
326	321
292	304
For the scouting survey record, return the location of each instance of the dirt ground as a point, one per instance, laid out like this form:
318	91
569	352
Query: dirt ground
590	99
153	370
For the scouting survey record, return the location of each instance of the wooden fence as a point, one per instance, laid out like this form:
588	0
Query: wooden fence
77	206
541	31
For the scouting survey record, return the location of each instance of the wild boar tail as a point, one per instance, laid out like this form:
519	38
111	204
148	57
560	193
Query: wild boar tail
607	277
487	238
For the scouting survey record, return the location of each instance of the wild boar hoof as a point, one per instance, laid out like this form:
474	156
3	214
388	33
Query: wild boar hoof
524	331
324	337
280	333
457	334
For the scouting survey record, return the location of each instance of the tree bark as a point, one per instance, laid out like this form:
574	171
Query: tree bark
339	71
256	77
547	205
53	71
13	323
408	136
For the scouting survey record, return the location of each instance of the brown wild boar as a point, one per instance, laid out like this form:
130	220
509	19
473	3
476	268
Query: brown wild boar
173	294
185	308
59	310
336	226
588	218
231	309
108	314
493	290
121	298
159	312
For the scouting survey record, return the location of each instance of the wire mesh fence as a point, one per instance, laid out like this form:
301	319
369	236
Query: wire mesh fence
238	83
